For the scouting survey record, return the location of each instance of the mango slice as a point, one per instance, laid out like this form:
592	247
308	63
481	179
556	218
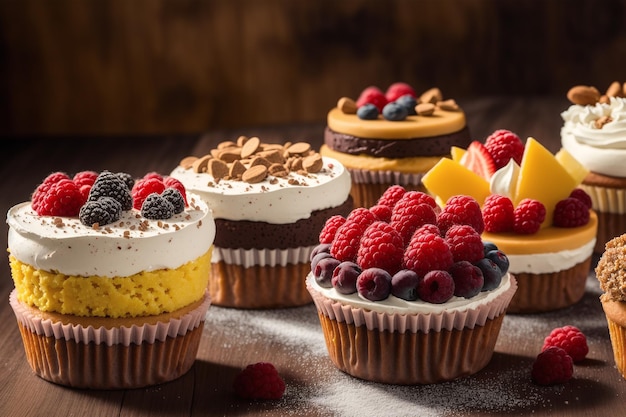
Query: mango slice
449	178
571	165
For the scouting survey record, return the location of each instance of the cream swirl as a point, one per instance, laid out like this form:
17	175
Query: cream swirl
504	180
277	200
129	246
599	149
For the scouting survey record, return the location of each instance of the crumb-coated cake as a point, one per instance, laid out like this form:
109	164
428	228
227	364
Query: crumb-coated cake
108	296
594	132
611	272
407	293
393	137
270	202
533	210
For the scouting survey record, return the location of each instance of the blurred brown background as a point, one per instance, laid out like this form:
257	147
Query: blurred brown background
97	67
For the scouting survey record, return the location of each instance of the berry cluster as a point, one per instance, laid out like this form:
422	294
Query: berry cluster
500	216
563	347
499	148
100	198
259	381
414	251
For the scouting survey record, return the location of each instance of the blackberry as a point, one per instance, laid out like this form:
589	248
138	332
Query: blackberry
127	179
155	207
109	184
367	112
175	198
94	212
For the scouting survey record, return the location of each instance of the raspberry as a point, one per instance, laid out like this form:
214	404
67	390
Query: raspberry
382	212
528	216
436	287
45	185
345	245
468	279
154	175
465	243
381	247
498	214
63	198
372	95
570	212
143	188
504	145
581	195
407	217
171	182
109	184
155	207
175	198
417	197
397	90
330	228
85	178
552	366
259	381
362	216
103	211
427	229
374	284
391	196
426	252
461	209
570	339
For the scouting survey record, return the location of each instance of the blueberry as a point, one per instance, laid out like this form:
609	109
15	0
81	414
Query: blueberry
500	259
318	257
322	247
367	112
374	284
323	271
345	276
468	279
404	284
436	287
408	101
395	112
488	247
491	274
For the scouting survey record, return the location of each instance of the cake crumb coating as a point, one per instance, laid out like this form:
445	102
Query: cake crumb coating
611	270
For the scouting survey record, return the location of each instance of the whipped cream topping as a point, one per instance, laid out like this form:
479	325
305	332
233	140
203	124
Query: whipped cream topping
277	200
394	304
131	245
599	149
504	180
545	263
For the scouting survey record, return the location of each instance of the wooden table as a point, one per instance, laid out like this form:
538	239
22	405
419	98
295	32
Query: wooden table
291	338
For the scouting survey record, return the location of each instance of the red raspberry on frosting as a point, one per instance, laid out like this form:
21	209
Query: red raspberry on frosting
171	182
346	243
63	198
465	243
570	212
391	196
461	209
45	185
427	229
570	339
528	216
407	217
498	214
552	366
144	187
581	195
381	247
259	381
382	212
330	228
427	252
504	145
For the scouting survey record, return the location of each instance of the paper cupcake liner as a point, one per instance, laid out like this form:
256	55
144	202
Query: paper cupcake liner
363	176
615	312
539	293
249	258
608	200
259	287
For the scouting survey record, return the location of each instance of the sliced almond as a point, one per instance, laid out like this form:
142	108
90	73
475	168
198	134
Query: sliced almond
599	123
347	105
226	144
260	161
273	156
250	147
583	95
230	154
604	99
425	109
448	105
278	170
241	140
313	163
201	164
614	90
432	95
236	170
255	174
218	169
187	162
299	148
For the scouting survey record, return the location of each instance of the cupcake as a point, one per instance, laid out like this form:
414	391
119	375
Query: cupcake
407	294
611	272
108	296
270	202
594	132
392	138
533	211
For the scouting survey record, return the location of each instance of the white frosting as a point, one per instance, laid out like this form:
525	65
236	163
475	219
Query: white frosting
131	245
394	304
275	200
545	263
504	180
601	150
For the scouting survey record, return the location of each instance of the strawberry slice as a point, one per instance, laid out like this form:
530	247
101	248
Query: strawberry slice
479	160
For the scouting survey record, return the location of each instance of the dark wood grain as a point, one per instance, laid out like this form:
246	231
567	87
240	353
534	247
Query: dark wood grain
291	338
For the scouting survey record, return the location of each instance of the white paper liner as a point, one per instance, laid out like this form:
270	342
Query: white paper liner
607	200
362	176
396	322
249	258
135	334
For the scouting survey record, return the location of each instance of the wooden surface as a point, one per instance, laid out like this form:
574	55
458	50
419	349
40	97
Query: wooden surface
162	66
292	339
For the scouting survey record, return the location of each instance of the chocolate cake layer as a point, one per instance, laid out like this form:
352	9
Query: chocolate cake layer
261	235
401	148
